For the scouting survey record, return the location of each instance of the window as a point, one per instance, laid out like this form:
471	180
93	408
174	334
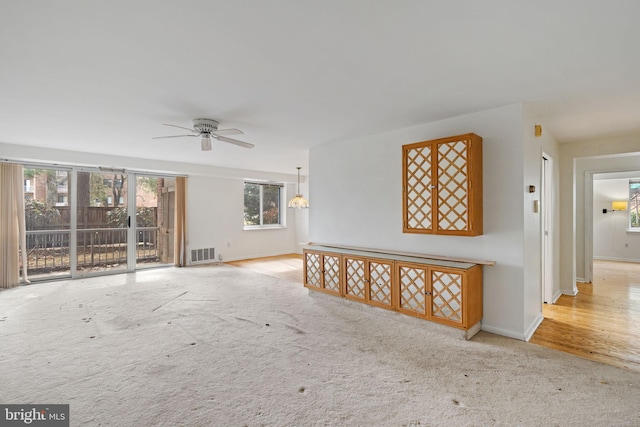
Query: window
634	204
262	204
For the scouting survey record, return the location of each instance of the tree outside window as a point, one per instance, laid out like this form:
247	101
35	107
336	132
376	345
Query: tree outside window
262	204
634	204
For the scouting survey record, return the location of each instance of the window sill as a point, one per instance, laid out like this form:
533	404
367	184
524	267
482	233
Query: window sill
264	227
633	230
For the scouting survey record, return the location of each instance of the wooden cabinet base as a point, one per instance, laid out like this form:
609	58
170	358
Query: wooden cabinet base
410	321
442	291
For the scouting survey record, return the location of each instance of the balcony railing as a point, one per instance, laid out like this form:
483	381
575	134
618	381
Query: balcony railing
103	248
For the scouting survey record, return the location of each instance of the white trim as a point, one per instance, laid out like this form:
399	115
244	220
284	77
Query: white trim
604	258
547	229
533	326
501	331
557	295
588	228
570	292
580	280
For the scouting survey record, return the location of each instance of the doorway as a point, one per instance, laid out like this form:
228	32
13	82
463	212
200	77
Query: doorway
546	218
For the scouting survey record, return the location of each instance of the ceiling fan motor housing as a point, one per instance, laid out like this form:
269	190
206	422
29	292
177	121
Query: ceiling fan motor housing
205	125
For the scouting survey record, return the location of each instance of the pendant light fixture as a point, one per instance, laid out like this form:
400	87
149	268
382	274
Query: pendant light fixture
298	202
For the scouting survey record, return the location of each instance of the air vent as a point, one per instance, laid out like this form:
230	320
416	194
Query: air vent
203	255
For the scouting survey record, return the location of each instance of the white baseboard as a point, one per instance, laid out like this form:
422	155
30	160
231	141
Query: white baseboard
253	256
533	326
555	296
572	292
580	280
603	258
503	332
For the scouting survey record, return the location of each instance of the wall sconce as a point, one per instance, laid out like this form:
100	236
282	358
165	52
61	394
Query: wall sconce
616	206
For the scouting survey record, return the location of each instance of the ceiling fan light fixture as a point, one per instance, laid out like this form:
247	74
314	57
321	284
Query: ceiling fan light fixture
207	129
206	143
299	202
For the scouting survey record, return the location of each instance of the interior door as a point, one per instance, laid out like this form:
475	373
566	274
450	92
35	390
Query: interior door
547	245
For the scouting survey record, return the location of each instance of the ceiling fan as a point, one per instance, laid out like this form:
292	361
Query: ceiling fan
207	129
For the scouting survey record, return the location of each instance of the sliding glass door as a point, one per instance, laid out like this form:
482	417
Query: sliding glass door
48	222
84	222
103	222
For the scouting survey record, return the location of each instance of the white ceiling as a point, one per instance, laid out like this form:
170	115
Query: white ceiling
102	76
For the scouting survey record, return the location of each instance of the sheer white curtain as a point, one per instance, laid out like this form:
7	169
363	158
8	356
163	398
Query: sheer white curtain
13	235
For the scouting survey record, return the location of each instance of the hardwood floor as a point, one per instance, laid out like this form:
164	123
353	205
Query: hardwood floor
600	323
288	267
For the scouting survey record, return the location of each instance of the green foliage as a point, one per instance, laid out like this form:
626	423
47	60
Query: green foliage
40	215
270	204
145	217
149	183
251	204
97	190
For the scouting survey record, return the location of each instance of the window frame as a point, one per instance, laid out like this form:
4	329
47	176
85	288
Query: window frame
281	198
630	208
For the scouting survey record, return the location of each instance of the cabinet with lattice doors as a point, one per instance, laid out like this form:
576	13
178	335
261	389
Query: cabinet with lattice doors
452	296
442	186
322	271
368	280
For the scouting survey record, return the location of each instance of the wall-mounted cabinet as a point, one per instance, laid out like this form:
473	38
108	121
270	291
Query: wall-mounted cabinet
443	291
442	186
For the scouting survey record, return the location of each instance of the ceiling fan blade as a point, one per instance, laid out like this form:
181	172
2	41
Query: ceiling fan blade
235	142
181	127
231	131
171	136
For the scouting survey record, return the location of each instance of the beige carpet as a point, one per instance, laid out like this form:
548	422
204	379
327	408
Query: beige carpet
225	346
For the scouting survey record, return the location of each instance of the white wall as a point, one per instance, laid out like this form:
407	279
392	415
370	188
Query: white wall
611	240
577	159
215	219
214	201
532	172
357	201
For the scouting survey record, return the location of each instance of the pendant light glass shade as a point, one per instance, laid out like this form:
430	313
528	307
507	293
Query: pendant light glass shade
299	202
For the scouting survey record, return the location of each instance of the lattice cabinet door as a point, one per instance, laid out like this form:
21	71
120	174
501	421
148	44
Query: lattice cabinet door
368	280
355	277
380	280
322	271
446	296
331	273
412	289
442	186
418	187
312	269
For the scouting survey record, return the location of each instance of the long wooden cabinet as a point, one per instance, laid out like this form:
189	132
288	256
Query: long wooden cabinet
442	186
447	292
